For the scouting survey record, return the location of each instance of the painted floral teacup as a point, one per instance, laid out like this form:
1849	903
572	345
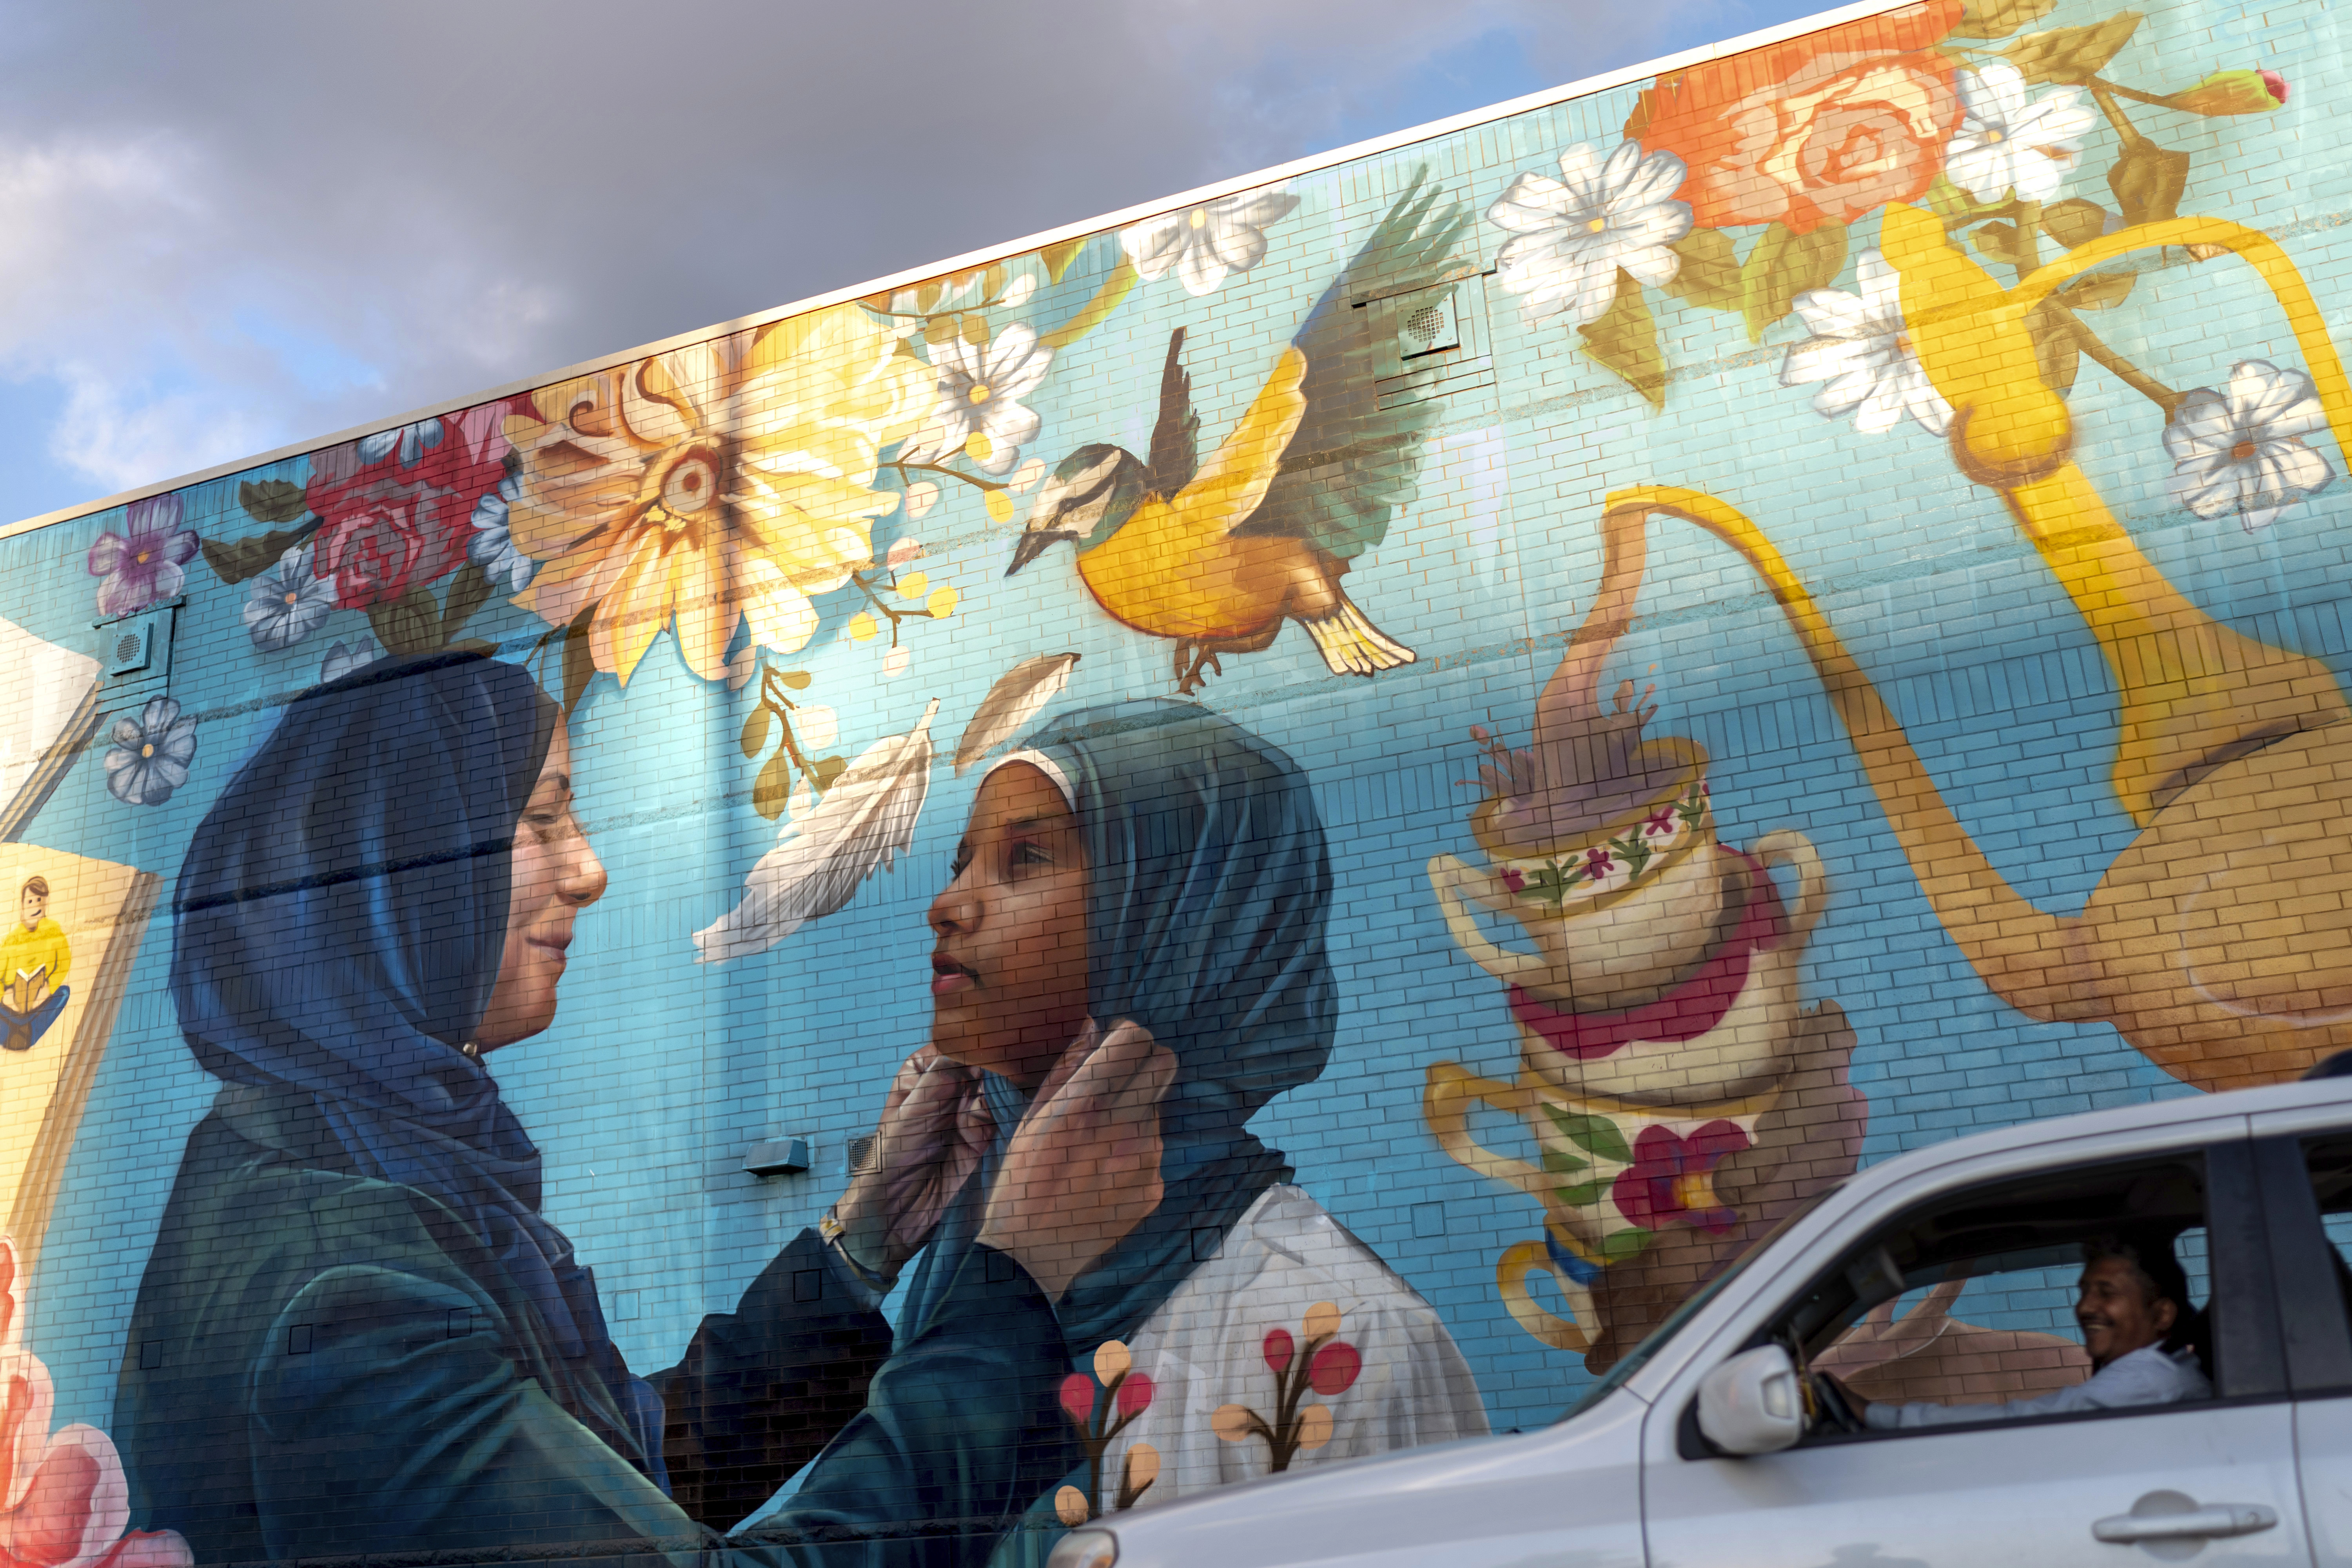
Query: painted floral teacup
1614	914
1610	1179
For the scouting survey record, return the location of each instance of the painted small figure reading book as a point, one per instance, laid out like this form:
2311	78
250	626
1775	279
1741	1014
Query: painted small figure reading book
34	958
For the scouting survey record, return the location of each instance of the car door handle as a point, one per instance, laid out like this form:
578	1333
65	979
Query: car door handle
2215	1519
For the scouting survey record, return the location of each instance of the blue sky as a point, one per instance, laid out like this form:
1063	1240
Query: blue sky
230	227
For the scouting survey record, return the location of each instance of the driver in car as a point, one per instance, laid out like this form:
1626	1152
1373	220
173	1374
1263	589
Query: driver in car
2132	1299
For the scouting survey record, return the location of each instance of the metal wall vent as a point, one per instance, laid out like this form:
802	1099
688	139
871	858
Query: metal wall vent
133	647
1428	328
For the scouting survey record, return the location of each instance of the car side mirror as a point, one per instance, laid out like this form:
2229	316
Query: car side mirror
1751	1405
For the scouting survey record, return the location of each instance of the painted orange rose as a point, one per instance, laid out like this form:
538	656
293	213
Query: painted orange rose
1824	128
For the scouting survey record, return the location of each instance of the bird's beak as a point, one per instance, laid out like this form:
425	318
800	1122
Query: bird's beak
1032	545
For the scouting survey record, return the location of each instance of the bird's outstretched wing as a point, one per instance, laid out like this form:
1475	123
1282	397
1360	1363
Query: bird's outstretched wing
1176	439
1231	485
1353	465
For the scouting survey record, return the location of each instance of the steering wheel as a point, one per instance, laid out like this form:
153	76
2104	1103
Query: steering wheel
1829	1407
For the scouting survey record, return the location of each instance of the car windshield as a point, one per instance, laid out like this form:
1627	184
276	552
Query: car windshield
1634	1359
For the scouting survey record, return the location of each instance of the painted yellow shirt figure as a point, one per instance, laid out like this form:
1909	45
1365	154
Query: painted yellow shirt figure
24	950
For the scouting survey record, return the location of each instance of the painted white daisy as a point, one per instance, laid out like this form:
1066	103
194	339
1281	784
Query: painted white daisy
1570	236
491	546
2242	449
286	603
1859	348
150	753
980	389
1207	244
2006	143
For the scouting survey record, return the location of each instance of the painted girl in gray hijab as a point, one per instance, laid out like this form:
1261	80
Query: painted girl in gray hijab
1149	875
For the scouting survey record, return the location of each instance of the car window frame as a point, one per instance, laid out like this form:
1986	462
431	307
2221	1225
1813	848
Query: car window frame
2244	1286
2315	1332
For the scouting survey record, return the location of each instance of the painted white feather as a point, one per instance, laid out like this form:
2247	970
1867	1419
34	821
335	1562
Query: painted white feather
1015	699
866	820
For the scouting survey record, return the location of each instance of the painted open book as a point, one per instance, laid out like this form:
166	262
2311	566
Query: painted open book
73	930
45	725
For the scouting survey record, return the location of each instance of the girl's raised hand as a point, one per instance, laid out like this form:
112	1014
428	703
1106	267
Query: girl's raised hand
1082	1169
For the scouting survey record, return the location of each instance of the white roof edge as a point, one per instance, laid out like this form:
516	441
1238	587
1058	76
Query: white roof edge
1582	87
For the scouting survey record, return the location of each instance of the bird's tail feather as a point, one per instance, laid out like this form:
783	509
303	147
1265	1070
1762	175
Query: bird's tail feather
1352	645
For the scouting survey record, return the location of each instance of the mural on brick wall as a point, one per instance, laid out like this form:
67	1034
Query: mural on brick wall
1308	813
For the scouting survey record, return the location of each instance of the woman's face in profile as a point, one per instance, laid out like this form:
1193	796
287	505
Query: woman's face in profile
1009	967
555	875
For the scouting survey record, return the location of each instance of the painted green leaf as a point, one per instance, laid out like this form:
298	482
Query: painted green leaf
1784	265
469	589
755	730
234	560
1560	1162
1708	276
1999	18
824	770
773	787
1624	341
1625	1244
2098	291
2071	56
2147	181
1059	255
2074	221
579	661
272	501
1583	1195
1594	1134
797	680
408	625
1997	241
2056	350
1946	200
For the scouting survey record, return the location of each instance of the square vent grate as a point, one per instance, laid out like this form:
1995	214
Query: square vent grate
134	645
1428	327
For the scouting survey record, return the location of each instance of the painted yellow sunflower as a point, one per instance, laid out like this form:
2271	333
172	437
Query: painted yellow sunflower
727	478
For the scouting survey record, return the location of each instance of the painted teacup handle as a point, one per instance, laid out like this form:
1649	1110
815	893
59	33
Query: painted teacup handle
1511	1272
1446	1106
1787	846
1447	876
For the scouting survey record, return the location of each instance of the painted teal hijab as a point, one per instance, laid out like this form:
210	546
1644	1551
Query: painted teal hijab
1208	894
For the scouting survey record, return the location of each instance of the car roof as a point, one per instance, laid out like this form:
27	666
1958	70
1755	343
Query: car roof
2175	1111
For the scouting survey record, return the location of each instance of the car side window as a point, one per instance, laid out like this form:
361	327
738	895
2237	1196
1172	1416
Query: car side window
2069	1292
2329	1163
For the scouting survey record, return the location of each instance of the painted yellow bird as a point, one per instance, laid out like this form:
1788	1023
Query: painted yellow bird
1216	556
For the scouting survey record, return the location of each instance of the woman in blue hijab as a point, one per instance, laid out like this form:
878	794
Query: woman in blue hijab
356	1331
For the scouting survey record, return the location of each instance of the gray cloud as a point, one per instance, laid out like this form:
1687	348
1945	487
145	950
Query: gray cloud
228	226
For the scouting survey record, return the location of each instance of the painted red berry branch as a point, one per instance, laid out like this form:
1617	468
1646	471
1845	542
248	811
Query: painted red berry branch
1101	1407
1329	1366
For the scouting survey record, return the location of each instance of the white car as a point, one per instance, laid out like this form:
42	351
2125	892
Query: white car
2252	1190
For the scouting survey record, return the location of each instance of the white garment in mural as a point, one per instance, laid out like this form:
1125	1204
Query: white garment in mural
1205	1349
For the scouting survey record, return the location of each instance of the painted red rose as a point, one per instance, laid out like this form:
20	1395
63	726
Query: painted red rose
397	507
1823	128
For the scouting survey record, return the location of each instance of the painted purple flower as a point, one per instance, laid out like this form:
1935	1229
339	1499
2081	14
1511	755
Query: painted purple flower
145	567
1671	1179
1598	864
150	753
